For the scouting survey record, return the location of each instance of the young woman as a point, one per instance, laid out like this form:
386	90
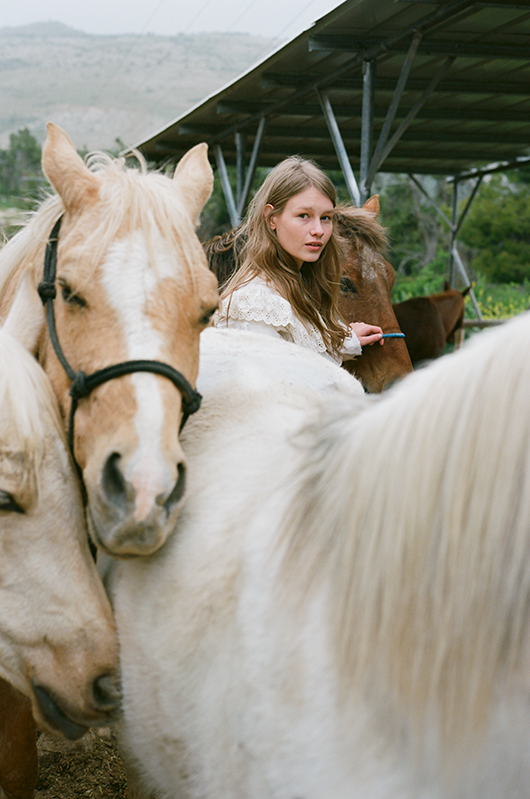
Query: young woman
288	280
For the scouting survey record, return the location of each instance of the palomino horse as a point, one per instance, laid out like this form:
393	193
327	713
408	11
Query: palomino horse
430	322
58	645
344	608
133	292
366	284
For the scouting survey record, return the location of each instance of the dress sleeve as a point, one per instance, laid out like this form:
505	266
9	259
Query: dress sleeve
257	307
351	347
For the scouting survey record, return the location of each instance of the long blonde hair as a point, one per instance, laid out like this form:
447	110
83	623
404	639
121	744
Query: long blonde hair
313	291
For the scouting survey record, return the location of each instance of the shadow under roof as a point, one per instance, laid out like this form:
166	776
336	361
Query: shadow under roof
450	90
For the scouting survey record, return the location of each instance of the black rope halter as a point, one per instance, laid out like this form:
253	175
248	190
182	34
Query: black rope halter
82	384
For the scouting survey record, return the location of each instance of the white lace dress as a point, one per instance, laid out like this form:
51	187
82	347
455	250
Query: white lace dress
257	306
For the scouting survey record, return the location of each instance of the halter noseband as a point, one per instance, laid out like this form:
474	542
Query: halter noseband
82	384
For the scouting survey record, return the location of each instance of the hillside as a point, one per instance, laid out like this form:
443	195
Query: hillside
100	88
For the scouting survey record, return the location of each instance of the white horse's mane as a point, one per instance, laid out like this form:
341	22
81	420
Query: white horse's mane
416	514
27	403
131	199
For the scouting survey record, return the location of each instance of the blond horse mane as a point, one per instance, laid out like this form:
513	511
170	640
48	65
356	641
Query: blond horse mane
28	405
414	515
130	199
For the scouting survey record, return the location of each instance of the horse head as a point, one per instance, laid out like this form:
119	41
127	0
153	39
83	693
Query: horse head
132	286
366	285
58	643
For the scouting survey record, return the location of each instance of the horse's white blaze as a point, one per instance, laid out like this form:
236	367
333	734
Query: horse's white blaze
146	469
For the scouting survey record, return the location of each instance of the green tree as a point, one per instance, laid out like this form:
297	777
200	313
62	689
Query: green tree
20	170
415	230
497	229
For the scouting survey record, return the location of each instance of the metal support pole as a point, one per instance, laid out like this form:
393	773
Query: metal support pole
251	171
465	276
385	147
398	92
452	243
240	164
340	149
367	127
227	188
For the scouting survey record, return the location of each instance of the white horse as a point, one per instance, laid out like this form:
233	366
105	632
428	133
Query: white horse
58	642
344	608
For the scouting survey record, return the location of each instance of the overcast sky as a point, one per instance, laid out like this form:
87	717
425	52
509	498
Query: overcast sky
276	18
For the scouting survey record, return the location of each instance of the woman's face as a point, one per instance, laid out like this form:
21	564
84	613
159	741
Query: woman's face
304	226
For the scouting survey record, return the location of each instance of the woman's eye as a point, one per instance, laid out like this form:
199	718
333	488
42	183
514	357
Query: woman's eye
8	503
303	216
325	218
71	298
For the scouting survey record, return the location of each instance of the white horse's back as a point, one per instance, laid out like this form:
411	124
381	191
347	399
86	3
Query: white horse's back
236	679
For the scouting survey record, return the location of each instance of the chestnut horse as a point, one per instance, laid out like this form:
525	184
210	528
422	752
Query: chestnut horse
366	284
344	609
430	322
133	293
58	647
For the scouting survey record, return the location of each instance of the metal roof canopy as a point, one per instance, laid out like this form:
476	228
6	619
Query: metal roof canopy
435	87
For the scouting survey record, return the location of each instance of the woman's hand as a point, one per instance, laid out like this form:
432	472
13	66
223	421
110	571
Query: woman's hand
367	334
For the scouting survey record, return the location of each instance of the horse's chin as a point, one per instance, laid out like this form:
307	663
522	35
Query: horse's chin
54	716
127	539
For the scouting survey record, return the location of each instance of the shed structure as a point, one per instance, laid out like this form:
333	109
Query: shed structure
438	87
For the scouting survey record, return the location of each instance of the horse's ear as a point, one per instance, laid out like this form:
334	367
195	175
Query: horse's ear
372	205
66	170
26	319
194	177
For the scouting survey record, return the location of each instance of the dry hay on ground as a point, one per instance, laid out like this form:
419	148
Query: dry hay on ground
88	769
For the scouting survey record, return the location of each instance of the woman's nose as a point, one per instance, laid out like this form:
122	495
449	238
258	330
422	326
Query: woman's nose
317	229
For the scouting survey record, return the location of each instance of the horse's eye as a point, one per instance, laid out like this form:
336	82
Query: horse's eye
71	298
207	315
8	503
347	286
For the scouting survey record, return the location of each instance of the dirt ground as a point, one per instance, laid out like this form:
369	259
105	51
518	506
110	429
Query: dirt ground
87	769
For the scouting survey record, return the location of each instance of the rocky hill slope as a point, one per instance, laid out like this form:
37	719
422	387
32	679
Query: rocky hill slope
104	88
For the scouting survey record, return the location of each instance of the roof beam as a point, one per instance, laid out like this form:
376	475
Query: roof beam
352	135
520	6
347	111
350	44
278	80
403	150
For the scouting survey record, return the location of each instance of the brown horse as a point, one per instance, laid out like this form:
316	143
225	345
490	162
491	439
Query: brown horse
366	283
18	744
430	322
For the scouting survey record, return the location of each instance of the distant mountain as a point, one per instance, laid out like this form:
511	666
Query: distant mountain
104	88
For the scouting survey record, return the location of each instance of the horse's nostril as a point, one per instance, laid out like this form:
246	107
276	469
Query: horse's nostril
178	489
113	483
106	692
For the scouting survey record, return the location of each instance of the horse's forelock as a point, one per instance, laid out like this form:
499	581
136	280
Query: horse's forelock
359	224
129	199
